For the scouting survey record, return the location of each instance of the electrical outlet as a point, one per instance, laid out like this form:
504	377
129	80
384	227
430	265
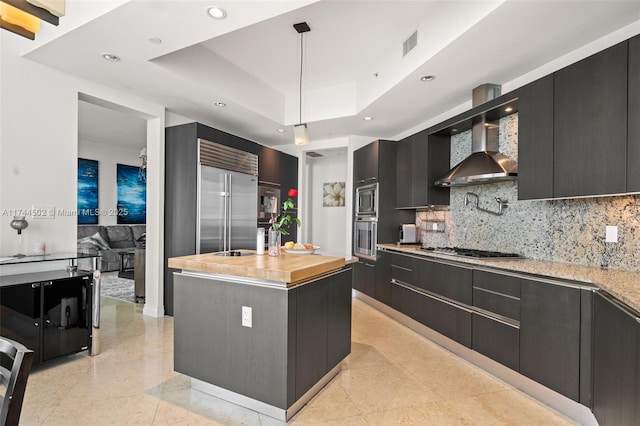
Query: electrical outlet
611	235
247	319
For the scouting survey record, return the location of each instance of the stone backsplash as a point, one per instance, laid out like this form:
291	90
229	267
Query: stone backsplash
570	230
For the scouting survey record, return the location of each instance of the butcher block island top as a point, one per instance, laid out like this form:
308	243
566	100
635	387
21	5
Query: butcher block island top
286	268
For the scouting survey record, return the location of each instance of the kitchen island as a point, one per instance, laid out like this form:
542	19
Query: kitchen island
263	332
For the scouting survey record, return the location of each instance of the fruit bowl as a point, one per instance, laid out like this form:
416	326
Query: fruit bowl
300	250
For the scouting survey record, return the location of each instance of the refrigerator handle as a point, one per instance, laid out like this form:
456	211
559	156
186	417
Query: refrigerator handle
198	207
225	218
228	224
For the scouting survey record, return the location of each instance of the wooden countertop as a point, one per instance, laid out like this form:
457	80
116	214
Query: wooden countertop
286	268
624	285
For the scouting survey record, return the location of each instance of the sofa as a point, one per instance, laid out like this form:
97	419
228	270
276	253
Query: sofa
109	241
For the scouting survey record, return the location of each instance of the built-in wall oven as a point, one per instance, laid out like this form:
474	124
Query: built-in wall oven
365	237
365	226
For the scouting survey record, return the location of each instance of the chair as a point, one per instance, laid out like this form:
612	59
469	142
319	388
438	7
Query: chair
14	380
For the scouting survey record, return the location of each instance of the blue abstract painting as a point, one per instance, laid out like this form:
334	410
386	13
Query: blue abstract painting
87	192
132	195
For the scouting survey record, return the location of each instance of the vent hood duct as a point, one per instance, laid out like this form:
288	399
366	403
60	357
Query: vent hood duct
485	164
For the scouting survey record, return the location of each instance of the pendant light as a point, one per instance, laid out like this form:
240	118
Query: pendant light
300	131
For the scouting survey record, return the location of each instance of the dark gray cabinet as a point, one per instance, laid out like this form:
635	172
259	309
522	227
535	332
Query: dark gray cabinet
52	317
550	336
496	325
339	318
452	282
425	297
616	363
382	272
377	162
590	125
535	139
633	137
421	160
582	121
364	276
365	164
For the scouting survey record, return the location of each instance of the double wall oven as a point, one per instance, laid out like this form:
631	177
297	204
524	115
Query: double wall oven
365	227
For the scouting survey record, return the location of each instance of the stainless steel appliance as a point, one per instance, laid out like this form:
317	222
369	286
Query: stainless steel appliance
268	203
226	218
478	254
365	237
485	164
367	201
407	233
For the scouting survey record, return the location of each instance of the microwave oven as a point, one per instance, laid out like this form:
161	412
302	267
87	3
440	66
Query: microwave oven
367	201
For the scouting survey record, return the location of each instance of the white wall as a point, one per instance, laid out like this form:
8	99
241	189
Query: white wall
327	225
39	152
108	157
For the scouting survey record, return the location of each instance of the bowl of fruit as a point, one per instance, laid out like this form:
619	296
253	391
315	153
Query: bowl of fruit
296	248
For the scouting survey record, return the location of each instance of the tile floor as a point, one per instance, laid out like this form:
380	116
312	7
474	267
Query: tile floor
393	376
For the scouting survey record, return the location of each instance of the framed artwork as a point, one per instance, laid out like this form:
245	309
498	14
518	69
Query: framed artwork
132	195
333	194
87	192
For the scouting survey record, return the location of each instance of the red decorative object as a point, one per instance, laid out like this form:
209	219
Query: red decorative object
292	193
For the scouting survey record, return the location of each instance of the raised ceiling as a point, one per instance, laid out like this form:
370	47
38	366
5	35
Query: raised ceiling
353	57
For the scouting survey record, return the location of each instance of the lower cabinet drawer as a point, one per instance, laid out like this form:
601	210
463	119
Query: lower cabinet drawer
446	318
497	340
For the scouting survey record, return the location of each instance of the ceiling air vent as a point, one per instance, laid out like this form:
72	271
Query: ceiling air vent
410	43
313	154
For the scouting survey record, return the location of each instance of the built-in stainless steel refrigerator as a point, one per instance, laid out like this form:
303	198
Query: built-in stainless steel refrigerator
227	212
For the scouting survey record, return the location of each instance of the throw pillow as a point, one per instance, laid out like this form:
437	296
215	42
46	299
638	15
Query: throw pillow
95	240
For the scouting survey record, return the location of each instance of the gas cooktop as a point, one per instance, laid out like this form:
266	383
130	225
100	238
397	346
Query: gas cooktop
477	254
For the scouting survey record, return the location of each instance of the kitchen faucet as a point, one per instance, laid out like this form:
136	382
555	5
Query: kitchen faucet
502	204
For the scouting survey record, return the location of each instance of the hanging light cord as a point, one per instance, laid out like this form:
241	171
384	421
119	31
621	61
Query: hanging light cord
301	56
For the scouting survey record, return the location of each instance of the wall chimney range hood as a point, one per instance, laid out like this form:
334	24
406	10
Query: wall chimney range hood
485	164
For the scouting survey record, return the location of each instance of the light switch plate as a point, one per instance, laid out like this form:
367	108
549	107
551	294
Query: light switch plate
611	235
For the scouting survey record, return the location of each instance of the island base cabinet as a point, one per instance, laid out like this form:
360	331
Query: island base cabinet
616	363
296	337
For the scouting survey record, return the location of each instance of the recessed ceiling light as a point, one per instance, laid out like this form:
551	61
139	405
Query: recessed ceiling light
220	104
216	12
111	57
508	109
367	118
155	40
427	78
280	130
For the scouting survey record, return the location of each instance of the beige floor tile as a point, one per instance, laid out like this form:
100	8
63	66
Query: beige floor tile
393	376
509	407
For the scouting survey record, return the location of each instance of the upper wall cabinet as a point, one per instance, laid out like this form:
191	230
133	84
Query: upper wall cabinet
577	131
421	160
365	164
590	125
633	117
535	140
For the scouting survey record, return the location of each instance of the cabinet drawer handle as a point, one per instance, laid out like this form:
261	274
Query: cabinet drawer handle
36	324
402	267
35	285
48	283
429	295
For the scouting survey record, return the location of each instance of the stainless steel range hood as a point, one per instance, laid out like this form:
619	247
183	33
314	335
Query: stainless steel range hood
485	164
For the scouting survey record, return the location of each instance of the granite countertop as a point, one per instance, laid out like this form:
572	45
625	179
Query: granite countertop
286	268
624	285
